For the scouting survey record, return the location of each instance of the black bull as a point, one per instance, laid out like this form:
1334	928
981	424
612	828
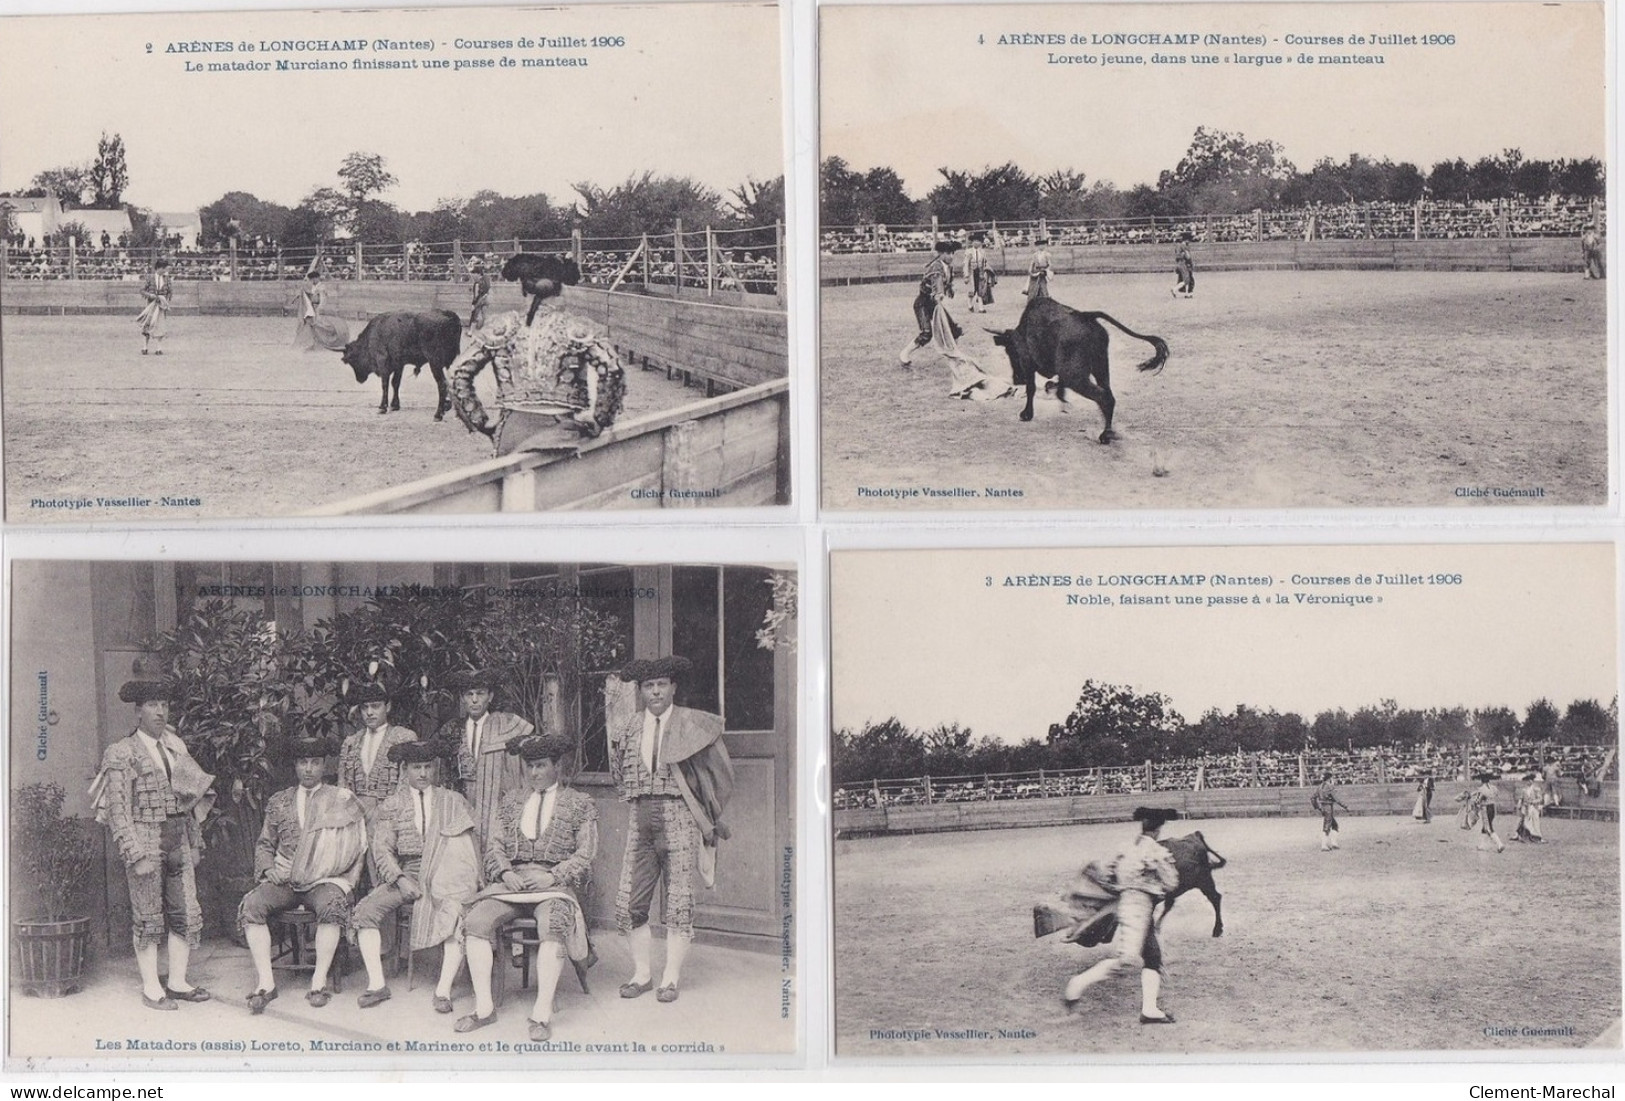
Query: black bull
1090	926
1070	346
391	341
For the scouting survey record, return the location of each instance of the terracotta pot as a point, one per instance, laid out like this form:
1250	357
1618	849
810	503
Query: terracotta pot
50	955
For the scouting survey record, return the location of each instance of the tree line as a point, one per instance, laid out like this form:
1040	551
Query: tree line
355	205
1221	173
1114	725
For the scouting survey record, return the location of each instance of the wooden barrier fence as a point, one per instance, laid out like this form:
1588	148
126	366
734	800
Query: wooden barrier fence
1465	254
1292	802
732	450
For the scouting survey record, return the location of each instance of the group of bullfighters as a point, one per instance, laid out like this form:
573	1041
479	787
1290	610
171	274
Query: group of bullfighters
472	829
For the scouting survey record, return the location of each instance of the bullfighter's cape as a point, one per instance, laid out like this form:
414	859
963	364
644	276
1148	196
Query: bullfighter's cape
450	875
692	746
536	892
333	843
194	788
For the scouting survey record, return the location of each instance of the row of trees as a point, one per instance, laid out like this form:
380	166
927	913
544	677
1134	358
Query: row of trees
356	206
1115	725
1220	173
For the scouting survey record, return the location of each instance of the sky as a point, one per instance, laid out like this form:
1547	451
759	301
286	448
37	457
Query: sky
912	87
694	91
922	636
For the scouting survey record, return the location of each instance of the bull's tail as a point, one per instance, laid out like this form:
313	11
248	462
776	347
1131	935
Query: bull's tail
1159	356
1217	861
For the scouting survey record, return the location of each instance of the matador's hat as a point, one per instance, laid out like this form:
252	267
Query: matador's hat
537	747
1153	818
671	667
947	246
413	753
366	692
464	679
145	691
147	683
297	749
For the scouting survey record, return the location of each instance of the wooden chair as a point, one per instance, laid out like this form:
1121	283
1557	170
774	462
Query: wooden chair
293	946
404	957
519	942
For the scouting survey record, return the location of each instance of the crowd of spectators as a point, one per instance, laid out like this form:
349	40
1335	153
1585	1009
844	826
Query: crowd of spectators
1269	769
751	270
1381	221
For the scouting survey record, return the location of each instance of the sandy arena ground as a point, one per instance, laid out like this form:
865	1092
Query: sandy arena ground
230	415
1314	389
1405	940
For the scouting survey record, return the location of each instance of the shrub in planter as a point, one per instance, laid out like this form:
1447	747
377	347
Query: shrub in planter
53	856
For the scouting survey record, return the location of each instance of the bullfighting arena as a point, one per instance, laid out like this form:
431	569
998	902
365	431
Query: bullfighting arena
1284	388
1405	940
231	417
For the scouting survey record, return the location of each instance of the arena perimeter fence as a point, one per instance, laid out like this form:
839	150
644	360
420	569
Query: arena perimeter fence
708	261
1419	221
1590	764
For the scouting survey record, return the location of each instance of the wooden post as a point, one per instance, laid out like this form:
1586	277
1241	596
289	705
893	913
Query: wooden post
645	248
711	268
1150	778
936	231
1258	225
778	262
1416	221
1303	770
928	791
358	259
457	266
73	257
677	255
987	781
233	268
577	251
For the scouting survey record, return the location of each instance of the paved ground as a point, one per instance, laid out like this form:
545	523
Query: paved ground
730	1005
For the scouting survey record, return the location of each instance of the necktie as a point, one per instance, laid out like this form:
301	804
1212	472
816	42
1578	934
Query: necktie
423	815
544	813
163	754
474	737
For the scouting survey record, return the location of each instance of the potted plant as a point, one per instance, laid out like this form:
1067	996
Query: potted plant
54	856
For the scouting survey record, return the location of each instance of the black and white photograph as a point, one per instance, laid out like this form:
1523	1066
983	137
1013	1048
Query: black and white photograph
1275	802
401	815
1217	255
256	264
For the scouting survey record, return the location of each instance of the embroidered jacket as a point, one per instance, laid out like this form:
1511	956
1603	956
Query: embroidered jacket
374	786
568	844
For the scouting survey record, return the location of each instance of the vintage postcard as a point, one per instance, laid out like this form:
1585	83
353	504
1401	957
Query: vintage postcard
382	815
256	264
1373	778
1213	256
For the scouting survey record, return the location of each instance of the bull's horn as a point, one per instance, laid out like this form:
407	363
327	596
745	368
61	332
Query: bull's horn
996	332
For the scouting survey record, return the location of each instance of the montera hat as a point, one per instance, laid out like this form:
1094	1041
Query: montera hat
413	753
537	747
670	667
145	690
297	749
947	246
1153	818
361	692
464	679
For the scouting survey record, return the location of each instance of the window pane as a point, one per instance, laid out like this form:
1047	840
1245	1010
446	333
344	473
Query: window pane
607	602
694	633
747	669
